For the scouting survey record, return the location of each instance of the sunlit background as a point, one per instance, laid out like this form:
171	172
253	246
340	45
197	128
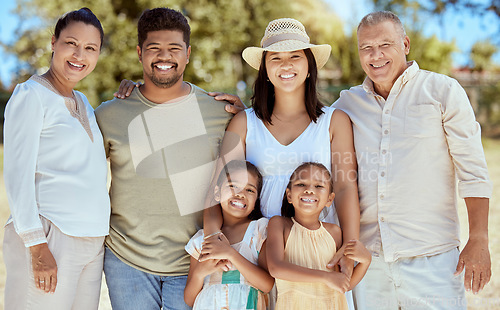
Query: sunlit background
454	37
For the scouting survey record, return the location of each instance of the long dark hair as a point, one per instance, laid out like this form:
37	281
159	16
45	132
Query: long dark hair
84	15
287	209
236	165
263	91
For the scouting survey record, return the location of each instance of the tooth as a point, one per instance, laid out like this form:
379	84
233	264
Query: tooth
238	204
75	65
163	67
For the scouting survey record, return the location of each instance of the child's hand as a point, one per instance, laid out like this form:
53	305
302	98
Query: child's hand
341	263
209	266
216	247
338	281
355	250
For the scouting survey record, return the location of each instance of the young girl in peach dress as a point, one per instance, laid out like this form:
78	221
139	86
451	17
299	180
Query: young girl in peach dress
300	246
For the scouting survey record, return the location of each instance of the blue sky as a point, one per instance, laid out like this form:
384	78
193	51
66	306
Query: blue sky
459	26
8	23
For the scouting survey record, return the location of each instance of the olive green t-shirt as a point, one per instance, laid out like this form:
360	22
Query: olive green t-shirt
161	159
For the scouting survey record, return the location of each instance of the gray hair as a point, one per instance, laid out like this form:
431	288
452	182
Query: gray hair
376	18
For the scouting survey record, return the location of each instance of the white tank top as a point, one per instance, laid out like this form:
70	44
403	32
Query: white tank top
276	161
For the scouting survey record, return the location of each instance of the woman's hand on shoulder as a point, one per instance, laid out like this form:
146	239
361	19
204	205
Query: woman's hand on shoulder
125	89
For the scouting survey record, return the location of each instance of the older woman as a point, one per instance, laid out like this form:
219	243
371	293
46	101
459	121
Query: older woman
55	176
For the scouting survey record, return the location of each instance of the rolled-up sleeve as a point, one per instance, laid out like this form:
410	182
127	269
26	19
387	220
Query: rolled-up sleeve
24	116
463	134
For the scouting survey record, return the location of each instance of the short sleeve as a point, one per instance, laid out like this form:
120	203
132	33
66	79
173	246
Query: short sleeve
193	247
260	234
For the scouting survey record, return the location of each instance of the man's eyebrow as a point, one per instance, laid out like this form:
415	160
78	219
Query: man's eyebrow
169	44
384	41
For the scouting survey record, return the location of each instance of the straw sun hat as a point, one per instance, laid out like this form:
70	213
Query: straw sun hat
286	35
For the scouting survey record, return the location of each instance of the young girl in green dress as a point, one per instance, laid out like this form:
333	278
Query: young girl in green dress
240	242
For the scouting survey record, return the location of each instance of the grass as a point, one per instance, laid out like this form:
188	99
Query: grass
487	299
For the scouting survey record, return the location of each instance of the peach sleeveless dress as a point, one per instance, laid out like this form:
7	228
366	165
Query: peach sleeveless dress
312	249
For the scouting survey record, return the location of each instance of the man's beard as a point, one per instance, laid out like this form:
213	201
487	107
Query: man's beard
164	82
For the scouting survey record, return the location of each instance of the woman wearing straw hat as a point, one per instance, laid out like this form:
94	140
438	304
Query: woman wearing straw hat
287	125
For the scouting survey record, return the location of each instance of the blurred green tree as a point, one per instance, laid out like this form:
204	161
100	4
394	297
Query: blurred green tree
221	29
482	86
431	53
420	9
481	55
440	6
118	56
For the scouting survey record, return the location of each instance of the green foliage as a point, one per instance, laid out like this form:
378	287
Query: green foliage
221	29
439	6
489	106
325	27
4	97
430	53
434	55
118	57
419	9
481	55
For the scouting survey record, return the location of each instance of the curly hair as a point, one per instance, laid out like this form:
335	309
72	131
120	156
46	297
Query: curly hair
162	19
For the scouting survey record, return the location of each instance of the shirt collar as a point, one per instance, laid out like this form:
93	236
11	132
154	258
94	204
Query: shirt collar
407	75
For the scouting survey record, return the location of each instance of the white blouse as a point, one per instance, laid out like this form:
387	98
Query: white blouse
53	166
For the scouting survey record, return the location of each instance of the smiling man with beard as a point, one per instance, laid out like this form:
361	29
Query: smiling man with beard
161	141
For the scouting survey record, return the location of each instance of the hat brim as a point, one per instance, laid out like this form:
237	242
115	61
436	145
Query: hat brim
253	55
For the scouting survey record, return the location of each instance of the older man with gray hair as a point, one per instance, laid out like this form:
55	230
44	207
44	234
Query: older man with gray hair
415	136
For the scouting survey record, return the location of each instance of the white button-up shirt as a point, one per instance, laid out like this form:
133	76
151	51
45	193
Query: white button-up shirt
411	150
